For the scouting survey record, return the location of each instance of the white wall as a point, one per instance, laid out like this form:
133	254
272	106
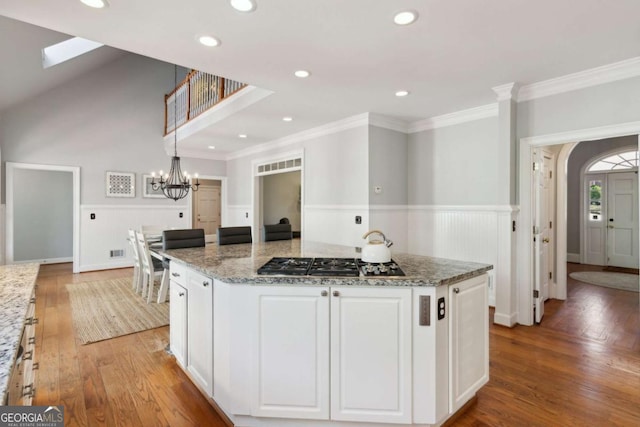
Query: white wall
43	215
111	119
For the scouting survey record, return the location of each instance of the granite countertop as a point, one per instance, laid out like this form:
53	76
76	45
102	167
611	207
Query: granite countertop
239	264
16	286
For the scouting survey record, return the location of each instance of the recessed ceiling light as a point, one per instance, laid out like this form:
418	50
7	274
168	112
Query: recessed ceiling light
405	17
212	147
402	93
287	119
242	135
209	41
243	5
303	74
97	4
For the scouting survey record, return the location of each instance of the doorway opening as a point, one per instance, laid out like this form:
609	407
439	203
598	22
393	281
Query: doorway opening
43	223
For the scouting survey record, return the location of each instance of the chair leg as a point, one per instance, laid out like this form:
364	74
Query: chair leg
164	286
152	284
135	283
145	281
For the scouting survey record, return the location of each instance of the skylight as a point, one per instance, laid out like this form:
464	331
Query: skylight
66	50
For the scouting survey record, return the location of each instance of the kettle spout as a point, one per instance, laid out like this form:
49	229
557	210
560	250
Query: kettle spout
388	243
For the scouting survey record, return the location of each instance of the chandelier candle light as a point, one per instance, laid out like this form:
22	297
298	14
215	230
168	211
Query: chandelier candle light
176	184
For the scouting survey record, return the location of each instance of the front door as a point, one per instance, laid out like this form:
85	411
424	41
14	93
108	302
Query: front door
207	210
622	219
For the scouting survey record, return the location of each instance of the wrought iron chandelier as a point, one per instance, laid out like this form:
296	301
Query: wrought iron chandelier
176	184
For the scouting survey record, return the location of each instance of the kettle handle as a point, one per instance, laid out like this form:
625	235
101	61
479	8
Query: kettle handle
374	231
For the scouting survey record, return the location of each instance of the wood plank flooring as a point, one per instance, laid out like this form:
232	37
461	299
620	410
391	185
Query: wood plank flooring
580	367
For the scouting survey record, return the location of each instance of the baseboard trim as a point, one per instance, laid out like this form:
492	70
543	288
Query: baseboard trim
505	319
106	266
573	258
46	260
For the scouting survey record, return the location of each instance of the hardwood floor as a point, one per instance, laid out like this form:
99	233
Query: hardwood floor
580	367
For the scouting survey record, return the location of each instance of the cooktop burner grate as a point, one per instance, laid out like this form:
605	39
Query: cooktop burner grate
290	266
328	267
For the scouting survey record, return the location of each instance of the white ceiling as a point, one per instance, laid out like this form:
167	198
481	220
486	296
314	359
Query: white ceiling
449	59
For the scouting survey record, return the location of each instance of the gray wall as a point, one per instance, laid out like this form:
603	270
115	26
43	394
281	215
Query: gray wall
454	165
281	198
43	215
580	155
388	157
108	120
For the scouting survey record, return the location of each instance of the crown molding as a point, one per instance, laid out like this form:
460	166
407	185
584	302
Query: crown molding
388	123
329	128
469	115
507	91
580	80
590	134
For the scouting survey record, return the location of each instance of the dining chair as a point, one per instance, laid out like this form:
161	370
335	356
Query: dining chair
137	271
277	232
234	235
151	268
177	239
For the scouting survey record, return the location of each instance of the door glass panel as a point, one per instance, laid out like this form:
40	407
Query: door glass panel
595	200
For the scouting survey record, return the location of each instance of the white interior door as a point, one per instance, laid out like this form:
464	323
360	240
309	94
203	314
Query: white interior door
595	223
540	264
622	221
207	210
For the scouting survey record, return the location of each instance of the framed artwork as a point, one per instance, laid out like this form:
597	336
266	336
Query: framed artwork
121	184
147	189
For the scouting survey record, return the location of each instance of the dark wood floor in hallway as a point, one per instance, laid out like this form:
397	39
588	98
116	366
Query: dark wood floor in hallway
580	367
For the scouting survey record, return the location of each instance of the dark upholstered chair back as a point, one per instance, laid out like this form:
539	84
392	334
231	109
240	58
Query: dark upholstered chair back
277	232
234	235
188	238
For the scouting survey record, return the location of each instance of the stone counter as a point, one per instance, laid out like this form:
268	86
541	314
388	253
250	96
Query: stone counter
16	287
239	264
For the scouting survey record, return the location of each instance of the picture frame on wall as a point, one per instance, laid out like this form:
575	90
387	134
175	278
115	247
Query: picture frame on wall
147	189
120	184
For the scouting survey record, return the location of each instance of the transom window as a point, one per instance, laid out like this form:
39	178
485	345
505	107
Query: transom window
626	160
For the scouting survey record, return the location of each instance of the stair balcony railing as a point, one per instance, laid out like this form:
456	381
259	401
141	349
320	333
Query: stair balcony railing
197	93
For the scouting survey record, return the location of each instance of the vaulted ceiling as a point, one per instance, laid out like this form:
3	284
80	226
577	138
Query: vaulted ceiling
449	59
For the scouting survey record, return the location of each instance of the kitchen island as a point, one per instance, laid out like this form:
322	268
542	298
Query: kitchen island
280	350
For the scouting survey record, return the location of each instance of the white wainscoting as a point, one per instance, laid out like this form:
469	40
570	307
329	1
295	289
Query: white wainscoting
468	233
238	215
392	221
573	258
109	231
335	224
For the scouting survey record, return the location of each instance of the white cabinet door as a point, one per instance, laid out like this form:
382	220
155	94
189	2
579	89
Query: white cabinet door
178	322
468	339
291	354
371	354
200	330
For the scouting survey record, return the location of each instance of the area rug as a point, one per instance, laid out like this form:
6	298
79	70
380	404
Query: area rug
622	281
109	308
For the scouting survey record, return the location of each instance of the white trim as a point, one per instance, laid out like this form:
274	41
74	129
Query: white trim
388	123
388	207
75	171
223	199
122	207
582	79
575	258
458	117
505	320
327	129
524	257
590	134
506	91
465	208
106	266
242	207
46	260
337	207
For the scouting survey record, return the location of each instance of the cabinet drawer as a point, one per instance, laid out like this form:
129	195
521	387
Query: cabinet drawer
178	273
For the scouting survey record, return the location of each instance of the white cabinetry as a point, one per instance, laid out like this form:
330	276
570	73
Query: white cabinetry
200	330
371	354
178	322
364	332
291	356
468	340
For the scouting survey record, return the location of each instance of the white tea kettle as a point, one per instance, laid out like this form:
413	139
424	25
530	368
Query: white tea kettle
376	250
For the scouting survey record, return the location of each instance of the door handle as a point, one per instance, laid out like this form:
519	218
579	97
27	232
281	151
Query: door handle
545	240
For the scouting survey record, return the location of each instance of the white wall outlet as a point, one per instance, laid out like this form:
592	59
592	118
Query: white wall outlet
377	189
